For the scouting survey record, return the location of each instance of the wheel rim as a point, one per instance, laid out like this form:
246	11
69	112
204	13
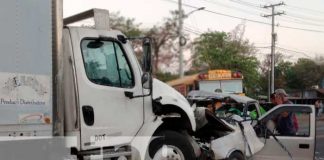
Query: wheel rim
169	152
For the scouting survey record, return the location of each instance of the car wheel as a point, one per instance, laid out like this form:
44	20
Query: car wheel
236	156
171	145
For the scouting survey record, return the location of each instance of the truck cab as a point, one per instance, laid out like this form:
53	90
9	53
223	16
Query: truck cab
110	99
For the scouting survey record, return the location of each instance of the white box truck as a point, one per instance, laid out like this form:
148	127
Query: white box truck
85	84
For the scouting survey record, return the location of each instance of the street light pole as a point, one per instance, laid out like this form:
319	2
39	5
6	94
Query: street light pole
181	72
181	38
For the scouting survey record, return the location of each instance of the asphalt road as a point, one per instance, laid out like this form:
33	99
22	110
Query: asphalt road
319	154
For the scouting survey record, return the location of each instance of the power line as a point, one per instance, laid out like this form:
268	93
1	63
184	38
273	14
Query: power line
304	14
192	31
290	50
222	14
302	29
249	20
233	7
307	9
297	21
295	51
287	48
245	3
193	28
297	15
305	53
298	8
300	50
305	17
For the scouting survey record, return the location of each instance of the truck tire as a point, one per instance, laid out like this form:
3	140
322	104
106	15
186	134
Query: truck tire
236	156
171	145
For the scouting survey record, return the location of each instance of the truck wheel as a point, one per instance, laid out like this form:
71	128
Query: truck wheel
236	156
171	145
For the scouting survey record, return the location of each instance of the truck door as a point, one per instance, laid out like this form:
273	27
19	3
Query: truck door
298	136
105	70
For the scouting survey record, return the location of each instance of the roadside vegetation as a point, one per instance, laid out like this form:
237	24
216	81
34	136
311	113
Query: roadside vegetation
221	50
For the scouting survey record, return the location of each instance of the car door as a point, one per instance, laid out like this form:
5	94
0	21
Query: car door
300	142
105	69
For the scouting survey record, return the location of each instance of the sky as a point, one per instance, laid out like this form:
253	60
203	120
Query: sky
307	16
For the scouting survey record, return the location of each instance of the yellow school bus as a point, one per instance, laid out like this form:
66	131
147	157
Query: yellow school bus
219	80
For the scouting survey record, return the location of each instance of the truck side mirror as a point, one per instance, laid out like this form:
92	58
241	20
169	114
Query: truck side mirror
122	39
146	80
147	61
146	83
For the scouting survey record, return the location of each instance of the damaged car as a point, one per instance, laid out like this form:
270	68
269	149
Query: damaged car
239	136
243	106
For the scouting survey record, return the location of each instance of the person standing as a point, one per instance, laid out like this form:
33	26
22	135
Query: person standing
317	107
320	108
283	96
273	98
287	122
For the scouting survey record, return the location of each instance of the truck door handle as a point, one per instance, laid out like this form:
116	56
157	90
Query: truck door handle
88	115
304	146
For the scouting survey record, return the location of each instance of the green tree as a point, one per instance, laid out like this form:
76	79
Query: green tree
130	28
126	25
219	50
165	42
165	36
304	74
282	70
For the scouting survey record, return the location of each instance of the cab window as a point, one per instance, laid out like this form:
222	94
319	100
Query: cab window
106	64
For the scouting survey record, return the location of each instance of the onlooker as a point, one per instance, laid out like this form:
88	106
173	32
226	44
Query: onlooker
287	123
273	98
317	107
321	108
283	96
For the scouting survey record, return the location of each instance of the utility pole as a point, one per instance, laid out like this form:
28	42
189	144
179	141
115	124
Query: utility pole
273	44
182	39
181	72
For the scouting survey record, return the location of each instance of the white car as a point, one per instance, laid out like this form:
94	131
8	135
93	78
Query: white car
258	141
